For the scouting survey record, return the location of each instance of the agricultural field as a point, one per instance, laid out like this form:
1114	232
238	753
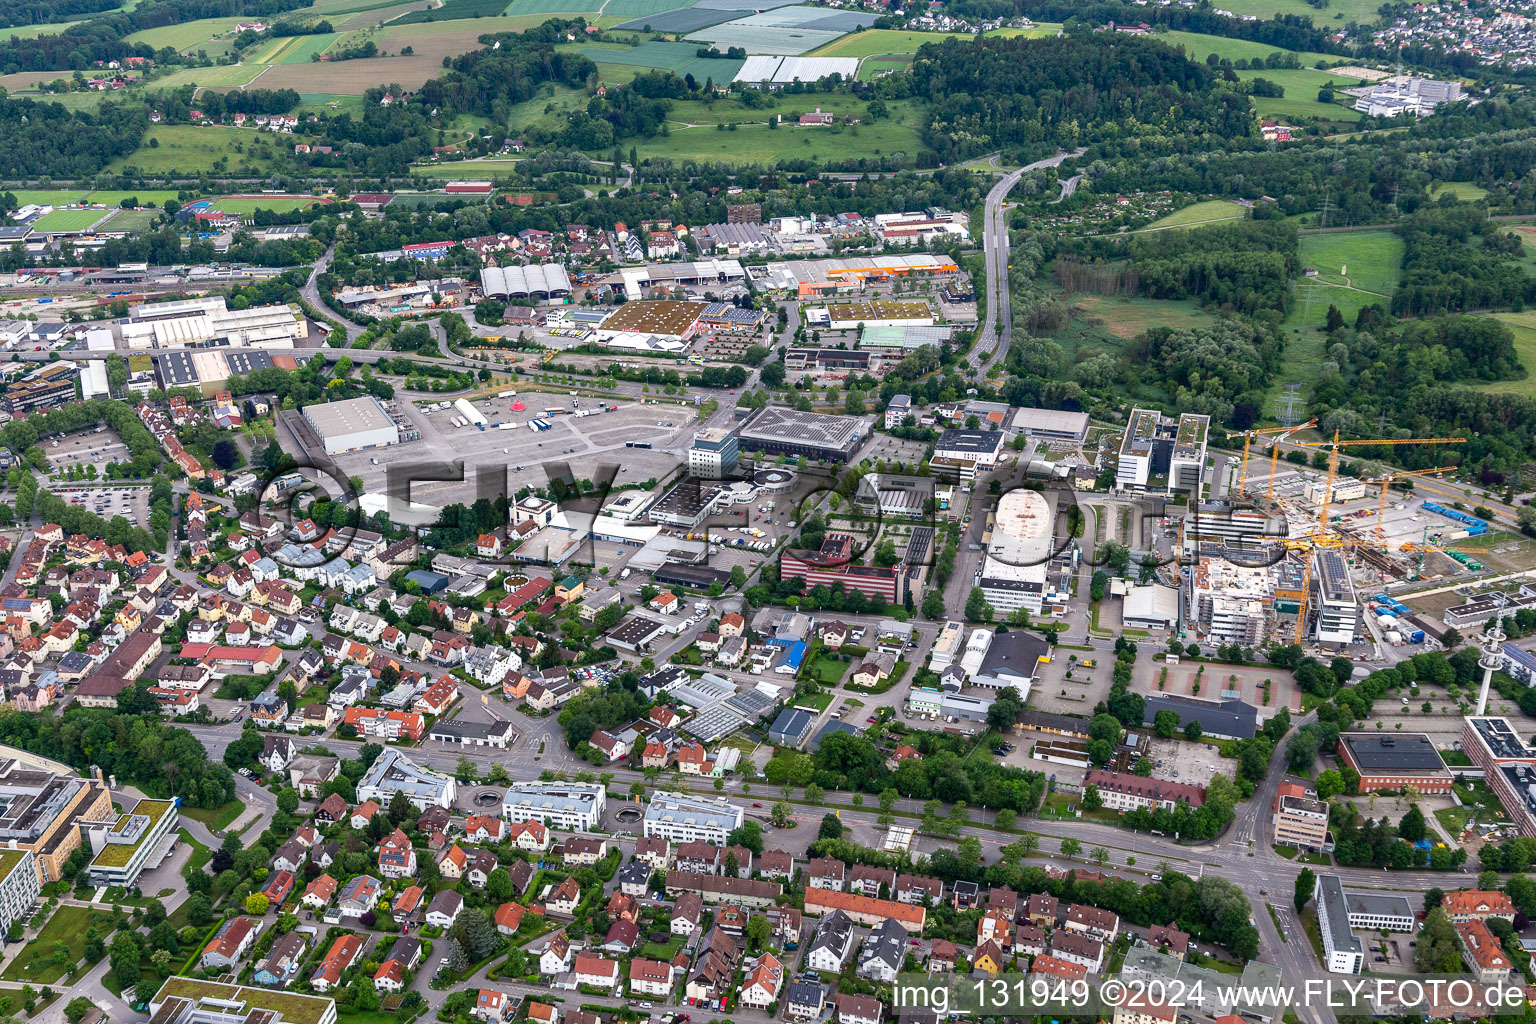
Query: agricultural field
681	59
294	49
757	143
188	36
887	42
841	104
24	80
553	7
1198	46
224	76
69	220
1342	11
1209	212
209	147
640	8
374	17
871	68
352	77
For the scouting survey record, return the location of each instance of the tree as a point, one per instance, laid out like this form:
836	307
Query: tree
831	827
780	814
256	904
1306	884
976	607
1006	709
1004	820
1099	855
1092	801
1165	723
1329	784
1071	847
814	793
76	1009
1192	731
1412	826
1335	320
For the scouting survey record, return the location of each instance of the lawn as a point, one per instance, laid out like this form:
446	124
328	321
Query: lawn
146	195
36	963
467	169
214	818
1300	100
817	702
829	670
1453	819
1208	212
1198	46
757	143
250	204
1463	190
132	220
1368	260
1126	316
68	220
47	197
206	147
1524	327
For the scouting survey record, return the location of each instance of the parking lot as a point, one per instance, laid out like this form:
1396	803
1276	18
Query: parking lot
97	446
131	501
1182	761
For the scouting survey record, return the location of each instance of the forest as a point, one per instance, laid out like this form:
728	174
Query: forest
1457	260
46	139
1020	92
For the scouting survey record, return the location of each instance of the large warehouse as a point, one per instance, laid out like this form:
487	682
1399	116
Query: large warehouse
352	425
536	281
781	431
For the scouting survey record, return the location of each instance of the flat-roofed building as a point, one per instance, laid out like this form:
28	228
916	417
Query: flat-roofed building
353	425
1508	764
686	819
1163	453
1300	818
777	430
1015	570
1338	611
1391	762
714	454
43	809
1051	425
193	1001
569	806
121	849
1379	912
1343	953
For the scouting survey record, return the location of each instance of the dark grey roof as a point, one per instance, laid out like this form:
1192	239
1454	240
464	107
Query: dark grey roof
791	723
1399	752
1225	718
1014	652
804	993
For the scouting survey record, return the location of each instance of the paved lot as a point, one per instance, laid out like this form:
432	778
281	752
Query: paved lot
1180	760
131	501
84	449
1217	681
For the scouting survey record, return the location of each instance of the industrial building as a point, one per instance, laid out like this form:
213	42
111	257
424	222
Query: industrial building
1014	572
809	278
543	281
1051	425
960	454
1391	762
659	320
194	321
703	274
1219	719
905	338
846	316
1162	453
777	430
353	425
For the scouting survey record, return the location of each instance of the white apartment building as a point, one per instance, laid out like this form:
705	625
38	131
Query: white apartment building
689	819
1338	612
568	806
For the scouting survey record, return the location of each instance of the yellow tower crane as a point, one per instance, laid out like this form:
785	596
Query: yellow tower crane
1248	436
1333	461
